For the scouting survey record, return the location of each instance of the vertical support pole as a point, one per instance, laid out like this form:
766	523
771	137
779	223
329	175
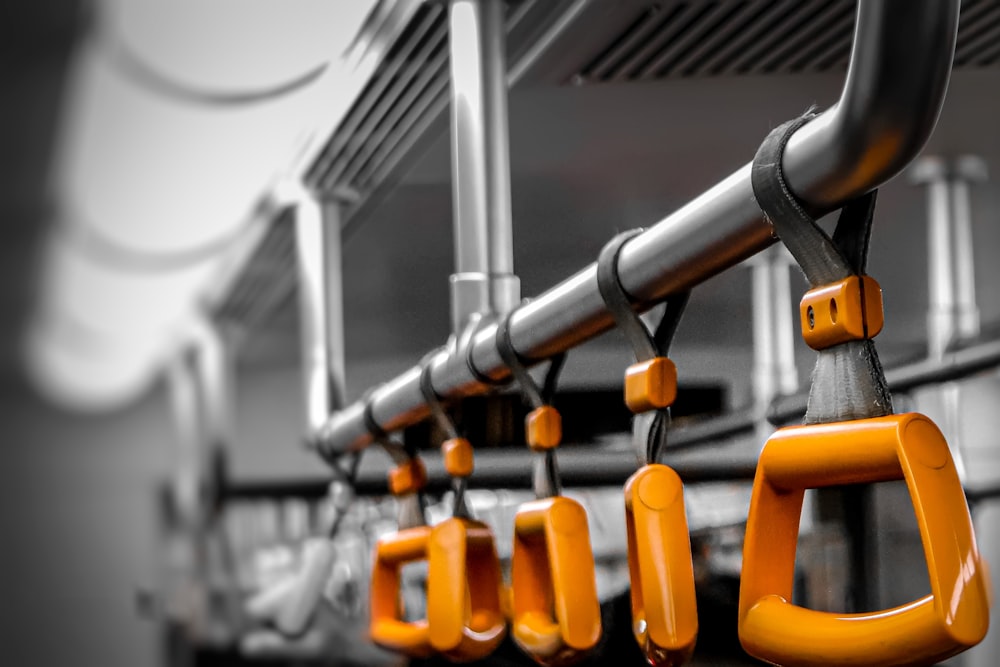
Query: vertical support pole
774	370
968	169
952	312
321	307
188	466
200	391
484	280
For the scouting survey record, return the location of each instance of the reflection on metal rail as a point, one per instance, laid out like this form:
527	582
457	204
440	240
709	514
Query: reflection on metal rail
895	86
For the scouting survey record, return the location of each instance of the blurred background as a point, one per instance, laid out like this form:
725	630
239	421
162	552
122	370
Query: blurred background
145	151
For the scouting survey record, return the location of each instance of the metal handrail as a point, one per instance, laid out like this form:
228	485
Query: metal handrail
895	86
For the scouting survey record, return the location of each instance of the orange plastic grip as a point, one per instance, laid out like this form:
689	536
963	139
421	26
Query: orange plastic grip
387	629
954	617
556	613
650	385
664	612
543	428
463	591
843	311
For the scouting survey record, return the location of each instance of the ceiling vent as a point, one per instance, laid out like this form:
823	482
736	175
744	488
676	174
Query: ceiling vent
745	37
408	95
267	281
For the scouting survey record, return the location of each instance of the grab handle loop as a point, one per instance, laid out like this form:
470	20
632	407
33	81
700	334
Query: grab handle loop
650	383
554	604
464	614
909	446
843	310
661	571
456	451
543	425
850	438
409	544
290	604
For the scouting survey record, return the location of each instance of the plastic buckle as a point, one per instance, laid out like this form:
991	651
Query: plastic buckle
651	385
409	477
664	611
387	628
543	428
556	612
463	591
459	460
843	311
954	617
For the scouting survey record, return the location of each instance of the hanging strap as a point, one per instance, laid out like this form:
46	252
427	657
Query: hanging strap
848	381
460	507
546	471
647	345
342	492
408	467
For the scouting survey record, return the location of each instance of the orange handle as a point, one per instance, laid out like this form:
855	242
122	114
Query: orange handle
387	628
465	618
664	611
557	616
953	618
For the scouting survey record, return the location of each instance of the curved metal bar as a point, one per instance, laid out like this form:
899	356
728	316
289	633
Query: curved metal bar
896	84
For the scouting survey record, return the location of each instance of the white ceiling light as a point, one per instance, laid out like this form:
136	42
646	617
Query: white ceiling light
78	370
169	143
160	176
232	45
116	300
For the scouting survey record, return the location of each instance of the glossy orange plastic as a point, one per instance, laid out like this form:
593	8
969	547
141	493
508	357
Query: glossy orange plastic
843	311
954	617
409	477
650	385
458	457
664	612
556	613
543	428
464	612
387	628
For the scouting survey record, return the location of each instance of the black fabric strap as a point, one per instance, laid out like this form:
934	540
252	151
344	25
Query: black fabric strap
545	475
645	344
534	395
394	449
432	399
848	381
459	484
410	507
348	477
470	363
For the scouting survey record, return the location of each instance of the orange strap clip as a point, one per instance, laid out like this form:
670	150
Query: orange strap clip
651	385
850	309
955	616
